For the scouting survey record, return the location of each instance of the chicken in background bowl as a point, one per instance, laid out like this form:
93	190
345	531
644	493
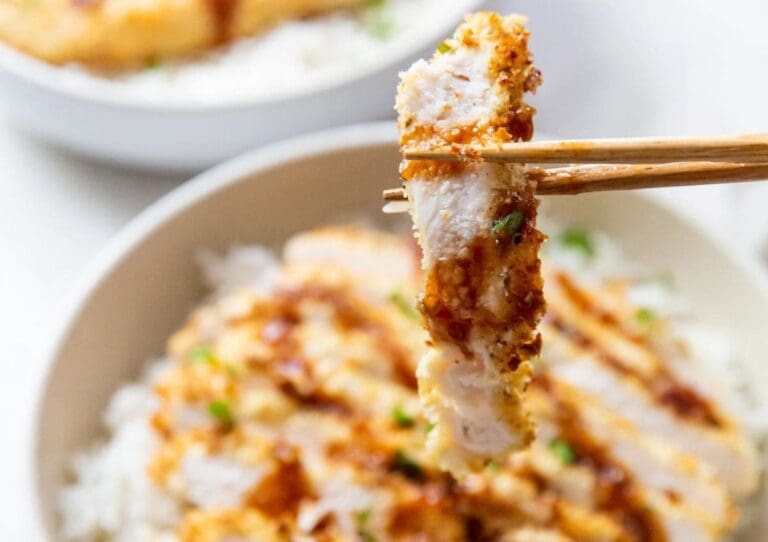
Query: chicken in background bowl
212	51
185	113
286	409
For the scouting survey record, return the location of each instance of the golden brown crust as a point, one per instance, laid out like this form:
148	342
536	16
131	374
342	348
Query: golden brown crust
264	360
117	34
513	74
483	296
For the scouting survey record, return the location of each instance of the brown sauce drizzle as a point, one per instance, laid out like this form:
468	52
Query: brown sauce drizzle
683	400
616	490
451	300
222	12
582	300
349	316
281	493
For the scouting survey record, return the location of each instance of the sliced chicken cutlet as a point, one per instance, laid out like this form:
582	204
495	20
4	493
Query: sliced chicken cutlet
476	224
124	33
593	343
326	433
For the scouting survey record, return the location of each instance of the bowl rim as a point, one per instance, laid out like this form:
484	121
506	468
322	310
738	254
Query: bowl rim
243	169
43	75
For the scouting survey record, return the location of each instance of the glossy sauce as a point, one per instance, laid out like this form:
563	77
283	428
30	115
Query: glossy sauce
615	493
683	400
222	12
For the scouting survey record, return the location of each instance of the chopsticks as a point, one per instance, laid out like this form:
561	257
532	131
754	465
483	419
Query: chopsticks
643	150
627	164
579	180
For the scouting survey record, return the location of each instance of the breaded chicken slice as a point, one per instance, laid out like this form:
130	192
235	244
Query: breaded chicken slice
118	33
476	224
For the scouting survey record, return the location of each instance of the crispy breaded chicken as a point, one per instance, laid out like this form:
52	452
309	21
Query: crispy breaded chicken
118	33
326	424
318	433
649	380
476	224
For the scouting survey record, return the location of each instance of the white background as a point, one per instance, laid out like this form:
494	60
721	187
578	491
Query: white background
611	68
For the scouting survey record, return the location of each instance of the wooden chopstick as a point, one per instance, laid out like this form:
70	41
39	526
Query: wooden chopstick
578	180
736	149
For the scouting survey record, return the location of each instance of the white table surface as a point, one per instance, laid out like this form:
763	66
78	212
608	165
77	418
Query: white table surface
56	212
657	68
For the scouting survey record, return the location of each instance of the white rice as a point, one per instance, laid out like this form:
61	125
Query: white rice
294	56
112	499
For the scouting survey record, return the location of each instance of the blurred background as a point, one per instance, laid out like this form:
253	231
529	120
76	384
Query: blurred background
623	68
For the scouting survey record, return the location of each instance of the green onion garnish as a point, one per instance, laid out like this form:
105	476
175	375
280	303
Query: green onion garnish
361	518
562	450
578	240
378	23
401	417
444	47
665	278
153	62
201	354
222	412
509	224
645	317
404	305
407	467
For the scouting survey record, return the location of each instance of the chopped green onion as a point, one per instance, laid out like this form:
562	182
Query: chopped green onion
362	517
444	47
378	23
666	279
562	450
509	224
222	412
578	240
645	317
407	467
401	417
429	427
153	62
492	465
404	305
201	354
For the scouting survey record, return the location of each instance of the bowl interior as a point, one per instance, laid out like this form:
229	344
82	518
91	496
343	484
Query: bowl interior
148	281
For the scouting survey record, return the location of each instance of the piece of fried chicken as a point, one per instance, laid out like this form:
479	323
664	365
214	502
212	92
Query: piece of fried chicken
475	223
123	33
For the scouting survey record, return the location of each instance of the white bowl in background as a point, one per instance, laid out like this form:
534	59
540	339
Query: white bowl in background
86	116
145	283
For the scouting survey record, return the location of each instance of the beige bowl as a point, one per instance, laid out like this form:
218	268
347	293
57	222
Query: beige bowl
89	117
145	283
